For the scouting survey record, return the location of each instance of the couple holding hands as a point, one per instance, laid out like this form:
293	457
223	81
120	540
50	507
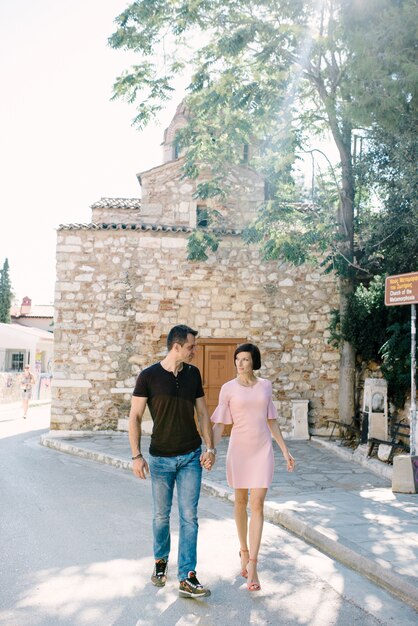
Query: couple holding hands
172	389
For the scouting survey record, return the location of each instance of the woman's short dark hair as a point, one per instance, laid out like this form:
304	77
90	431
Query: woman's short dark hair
253	350
178	334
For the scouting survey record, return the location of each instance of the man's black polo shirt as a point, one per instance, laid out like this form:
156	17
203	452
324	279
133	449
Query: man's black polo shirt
171	401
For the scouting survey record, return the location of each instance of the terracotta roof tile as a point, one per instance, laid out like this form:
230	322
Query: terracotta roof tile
36	310
117	203
146	227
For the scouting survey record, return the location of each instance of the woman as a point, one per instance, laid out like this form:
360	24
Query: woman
26	386
246	403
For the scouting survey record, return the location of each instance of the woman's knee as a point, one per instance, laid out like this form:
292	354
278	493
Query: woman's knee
241	498
257	505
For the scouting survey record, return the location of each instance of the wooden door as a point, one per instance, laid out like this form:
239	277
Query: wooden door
215	360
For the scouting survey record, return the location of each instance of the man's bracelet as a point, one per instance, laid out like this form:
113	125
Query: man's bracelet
138	456
211	450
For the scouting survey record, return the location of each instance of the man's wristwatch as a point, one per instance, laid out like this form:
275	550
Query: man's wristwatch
138	456
211	450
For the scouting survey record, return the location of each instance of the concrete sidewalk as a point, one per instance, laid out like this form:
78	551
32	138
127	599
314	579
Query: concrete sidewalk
335	500
13	410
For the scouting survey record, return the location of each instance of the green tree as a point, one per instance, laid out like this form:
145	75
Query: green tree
265	73
6	293
385	103
384	91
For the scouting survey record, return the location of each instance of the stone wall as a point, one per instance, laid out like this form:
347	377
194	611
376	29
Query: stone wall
168	199
119	291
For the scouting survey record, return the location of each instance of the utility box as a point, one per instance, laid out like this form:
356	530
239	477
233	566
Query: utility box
375	405
300	426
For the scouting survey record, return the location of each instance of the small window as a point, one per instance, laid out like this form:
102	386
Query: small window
245	153
202	220
176	150
17	361
268	192
378	403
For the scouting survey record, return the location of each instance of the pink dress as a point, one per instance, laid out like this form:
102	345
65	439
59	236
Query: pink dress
249	460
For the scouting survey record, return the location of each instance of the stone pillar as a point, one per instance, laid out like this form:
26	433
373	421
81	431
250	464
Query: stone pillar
405	474
375	404
300	426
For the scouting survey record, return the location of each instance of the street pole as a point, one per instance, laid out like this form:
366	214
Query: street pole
413	438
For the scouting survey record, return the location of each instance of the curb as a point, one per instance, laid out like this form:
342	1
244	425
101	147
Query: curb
348	557
358	456
55	444
373	571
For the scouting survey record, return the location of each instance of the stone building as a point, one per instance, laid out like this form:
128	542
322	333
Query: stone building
124	280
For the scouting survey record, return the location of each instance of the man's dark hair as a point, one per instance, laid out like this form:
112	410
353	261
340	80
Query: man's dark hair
178	334
253	350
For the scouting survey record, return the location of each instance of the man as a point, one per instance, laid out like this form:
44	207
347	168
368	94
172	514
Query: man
173	390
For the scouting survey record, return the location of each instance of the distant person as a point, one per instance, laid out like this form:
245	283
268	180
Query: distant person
246	403
173	390
26	384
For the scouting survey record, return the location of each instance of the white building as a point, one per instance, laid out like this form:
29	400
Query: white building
22	345
33	315
19	346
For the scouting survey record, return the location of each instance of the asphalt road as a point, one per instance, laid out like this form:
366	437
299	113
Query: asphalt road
76	550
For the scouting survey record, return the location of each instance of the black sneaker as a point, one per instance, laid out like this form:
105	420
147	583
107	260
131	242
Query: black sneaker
159	575
190	587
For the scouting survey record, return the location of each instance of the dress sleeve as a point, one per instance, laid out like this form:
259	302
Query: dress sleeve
271	409
222	413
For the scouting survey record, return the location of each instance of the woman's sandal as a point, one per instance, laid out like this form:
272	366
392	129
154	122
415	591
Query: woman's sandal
243	571
253	585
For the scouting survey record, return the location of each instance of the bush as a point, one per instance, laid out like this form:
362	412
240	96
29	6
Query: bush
364	324
378	333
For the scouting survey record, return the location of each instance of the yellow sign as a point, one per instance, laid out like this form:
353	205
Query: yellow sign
401	289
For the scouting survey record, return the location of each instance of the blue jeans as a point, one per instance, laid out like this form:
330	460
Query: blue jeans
186	471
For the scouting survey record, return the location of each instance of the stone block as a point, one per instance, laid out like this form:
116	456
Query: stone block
173	243
98	376
72	384
149	242
69	248
86	278
403	474
79	359
73	239
123	424
68	286
383	452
